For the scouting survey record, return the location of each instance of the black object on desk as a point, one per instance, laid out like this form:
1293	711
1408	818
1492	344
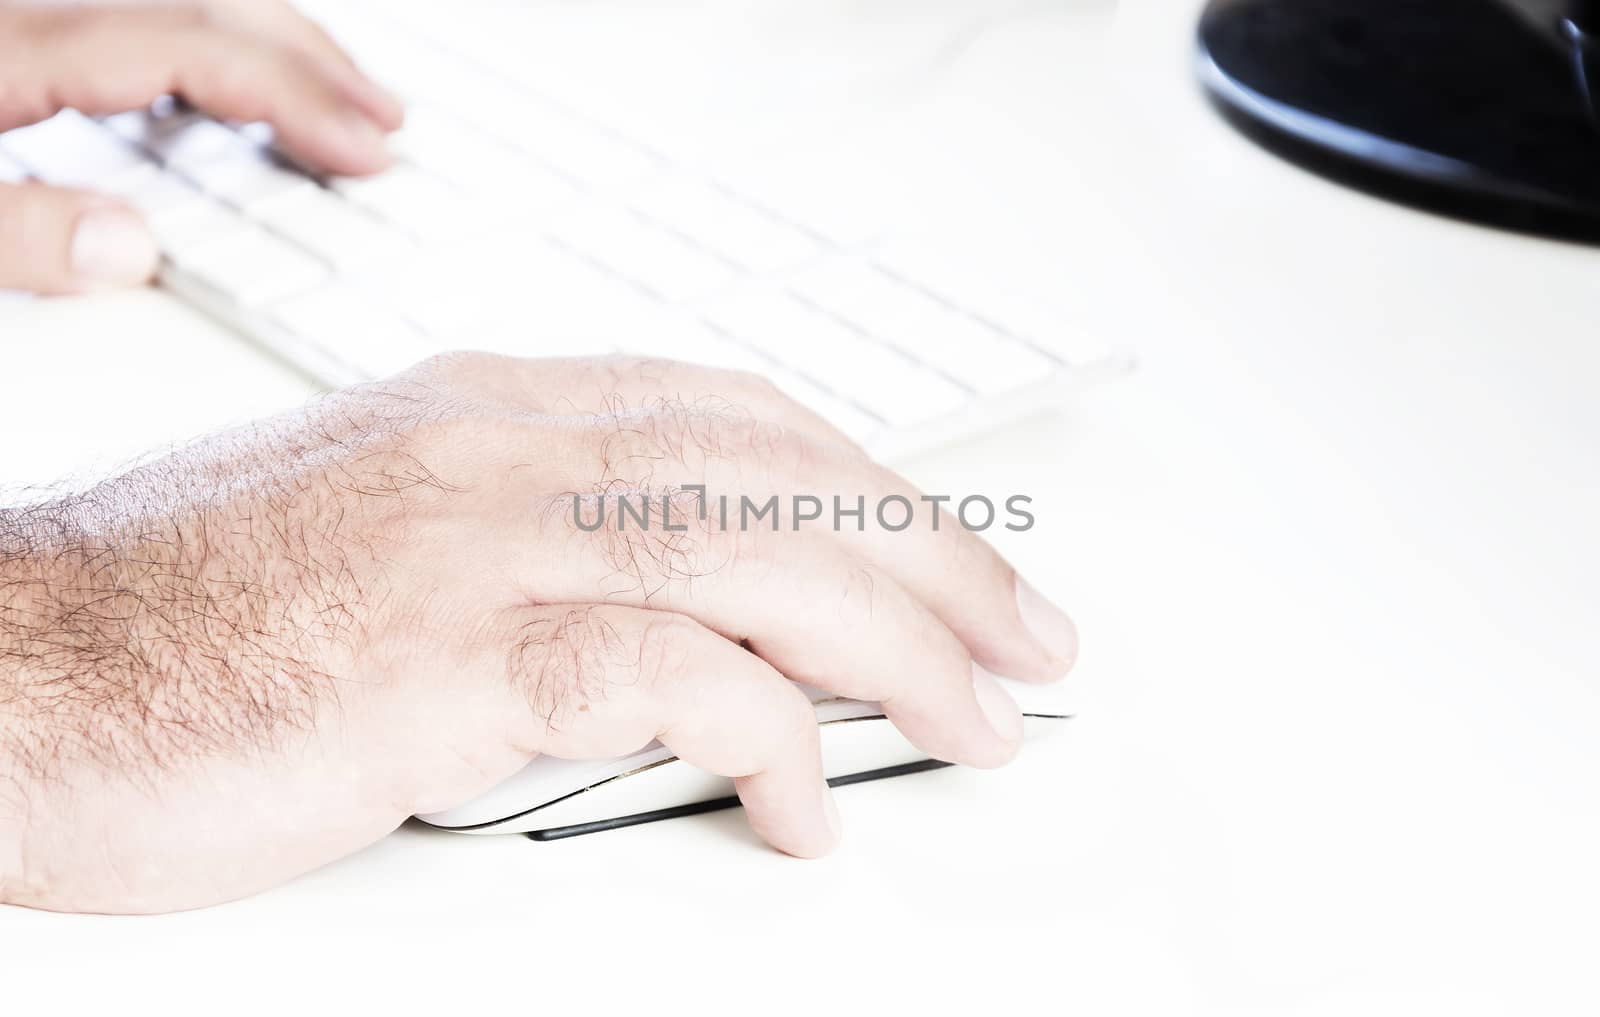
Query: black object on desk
1483	109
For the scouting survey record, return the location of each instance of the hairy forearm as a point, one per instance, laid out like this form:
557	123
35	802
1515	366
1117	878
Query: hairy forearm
67	666
197	603
135	641
143	646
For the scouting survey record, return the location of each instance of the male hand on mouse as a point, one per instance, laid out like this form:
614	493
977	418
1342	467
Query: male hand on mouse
266	651
250	60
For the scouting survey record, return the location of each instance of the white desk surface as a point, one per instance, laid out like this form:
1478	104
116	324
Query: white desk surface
1333	551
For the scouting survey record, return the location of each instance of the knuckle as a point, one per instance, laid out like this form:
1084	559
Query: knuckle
768	389
251	79
756	552
666	646
862	598
746	436
562	663
796	723
396	407
630	449
619	368
972	557
642	444
648	559
458	367
752	381
734	441
235	81
191	15
21	101
163	17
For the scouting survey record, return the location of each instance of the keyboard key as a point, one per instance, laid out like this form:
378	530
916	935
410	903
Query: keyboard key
1039	315
184	140
679	336
446	145
857	424
443	300
417	202
70	150
465	156
258	133
254	268
538	299
604	162
183	230
338	232
974	354
150	189
249	183
518	338
452	292
131	126
354	327
663	263
407	64
820	194
525	296
530	192
11	171
847	364
576	307
736	231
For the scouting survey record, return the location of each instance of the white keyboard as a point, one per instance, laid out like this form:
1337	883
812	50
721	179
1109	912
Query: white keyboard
512	224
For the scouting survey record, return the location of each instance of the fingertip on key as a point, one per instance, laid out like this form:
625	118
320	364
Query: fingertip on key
350	144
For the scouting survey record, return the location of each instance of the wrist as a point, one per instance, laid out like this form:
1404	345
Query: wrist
32	568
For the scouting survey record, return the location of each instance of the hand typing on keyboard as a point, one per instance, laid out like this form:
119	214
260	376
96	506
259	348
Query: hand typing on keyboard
246	60
511	219
265	651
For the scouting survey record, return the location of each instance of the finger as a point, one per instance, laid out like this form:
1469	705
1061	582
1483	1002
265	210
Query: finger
881	518
934	548
283	24
683	424
54	240
279	20
107	60
604	681
795	598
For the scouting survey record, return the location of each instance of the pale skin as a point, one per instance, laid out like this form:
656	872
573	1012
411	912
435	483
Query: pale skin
246	60
269	649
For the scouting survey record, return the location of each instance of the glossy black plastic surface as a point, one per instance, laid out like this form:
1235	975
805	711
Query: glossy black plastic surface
1478	108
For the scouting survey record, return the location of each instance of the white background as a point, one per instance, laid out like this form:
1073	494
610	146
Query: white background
1332	549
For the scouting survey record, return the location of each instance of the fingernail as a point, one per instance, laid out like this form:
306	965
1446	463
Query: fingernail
830	808
362	131
113	247
393	99
1048	624
998	707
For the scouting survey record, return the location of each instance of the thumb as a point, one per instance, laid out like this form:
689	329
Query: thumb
54	240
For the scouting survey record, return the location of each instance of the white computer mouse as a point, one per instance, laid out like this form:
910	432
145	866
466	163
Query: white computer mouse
554	798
